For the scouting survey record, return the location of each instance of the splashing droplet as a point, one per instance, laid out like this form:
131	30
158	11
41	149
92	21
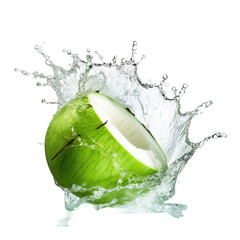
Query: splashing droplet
200	108
142	58
134	51
214	136
123	60
150	104
114	60
165	77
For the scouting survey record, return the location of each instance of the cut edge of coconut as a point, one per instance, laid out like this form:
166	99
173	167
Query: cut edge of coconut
126	129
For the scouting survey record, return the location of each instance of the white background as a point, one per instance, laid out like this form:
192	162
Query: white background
197	42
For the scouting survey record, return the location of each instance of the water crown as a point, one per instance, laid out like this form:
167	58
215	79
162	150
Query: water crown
160	114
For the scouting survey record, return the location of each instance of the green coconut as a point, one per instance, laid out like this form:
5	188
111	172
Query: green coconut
95	143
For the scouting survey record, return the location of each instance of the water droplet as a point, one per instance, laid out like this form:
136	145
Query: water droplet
16	69
224	135
134	51
64	50
114	60
35	74
41	75
165	77
134	46
216	135
36	47
43	101
175	91
116	165
123	60
48	62
142	58
24	72
69	52
38	84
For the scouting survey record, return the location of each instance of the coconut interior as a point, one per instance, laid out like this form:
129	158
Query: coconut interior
126	129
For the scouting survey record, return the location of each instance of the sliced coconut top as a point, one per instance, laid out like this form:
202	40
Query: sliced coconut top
126	129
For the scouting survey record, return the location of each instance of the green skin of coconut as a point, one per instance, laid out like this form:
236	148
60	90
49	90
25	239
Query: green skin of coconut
81	151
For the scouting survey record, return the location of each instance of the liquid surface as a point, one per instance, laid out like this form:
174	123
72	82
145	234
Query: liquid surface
161	115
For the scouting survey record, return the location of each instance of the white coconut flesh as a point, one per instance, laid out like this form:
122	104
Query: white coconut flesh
127	130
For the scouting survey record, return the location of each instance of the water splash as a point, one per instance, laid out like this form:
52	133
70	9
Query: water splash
160	114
